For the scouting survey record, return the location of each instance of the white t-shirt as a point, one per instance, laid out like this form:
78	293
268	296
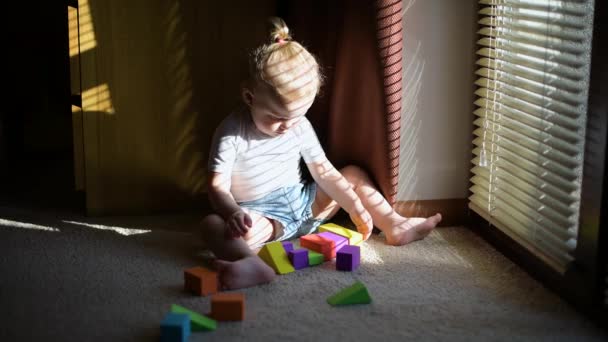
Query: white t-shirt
260	164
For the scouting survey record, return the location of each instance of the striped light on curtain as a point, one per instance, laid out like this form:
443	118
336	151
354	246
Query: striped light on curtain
532	101
390	46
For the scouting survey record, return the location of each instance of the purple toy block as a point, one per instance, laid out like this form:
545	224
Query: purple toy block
339	241
348	258
288	246
298	258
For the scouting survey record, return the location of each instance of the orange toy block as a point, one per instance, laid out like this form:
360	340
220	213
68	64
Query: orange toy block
318	244
200	281
228	307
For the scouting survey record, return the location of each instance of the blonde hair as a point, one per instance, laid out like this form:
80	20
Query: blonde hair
286	66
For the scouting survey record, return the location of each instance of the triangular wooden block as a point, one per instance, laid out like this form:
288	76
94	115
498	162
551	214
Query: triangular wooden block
275	256
198	322
354	294
354	238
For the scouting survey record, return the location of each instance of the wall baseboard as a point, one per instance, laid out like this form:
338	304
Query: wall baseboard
454	210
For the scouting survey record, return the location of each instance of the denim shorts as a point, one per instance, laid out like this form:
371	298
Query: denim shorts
291	207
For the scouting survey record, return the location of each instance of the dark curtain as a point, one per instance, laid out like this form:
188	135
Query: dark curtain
357	116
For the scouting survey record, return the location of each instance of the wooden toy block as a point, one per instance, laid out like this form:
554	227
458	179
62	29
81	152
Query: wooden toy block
318	244
348	258
198	322
298	258
228	306
288	246
354	237
315	258
354	294
339	241
275	256
175	327
200	281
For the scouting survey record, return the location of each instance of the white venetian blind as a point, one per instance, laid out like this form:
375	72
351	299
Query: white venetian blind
532	85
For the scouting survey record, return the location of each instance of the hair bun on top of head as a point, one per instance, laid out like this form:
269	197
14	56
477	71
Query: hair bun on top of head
280	32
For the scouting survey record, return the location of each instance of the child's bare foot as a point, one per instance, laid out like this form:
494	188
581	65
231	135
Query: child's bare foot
242	273
411	230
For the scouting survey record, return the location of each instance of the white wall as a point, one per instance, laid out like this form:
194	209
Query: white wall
436	122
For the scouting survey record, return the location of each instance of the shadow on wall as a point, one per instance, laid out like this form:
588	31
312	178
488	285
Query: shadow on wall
156	81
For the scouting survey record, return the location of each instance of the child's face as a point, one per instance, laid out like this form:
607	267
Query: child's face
270	115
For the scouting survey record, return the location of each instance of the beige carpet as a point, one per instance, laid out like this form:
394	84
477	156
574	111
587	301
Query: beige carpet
70	278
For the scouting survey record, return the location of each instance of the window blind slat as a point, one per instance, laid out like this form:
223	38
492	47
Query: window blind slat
530	108
537	233
532	89
530	131
499	142
530	96
528	204
535	179
530	73
547	175
531	50
534	190
510	36
540	228
511	226
560	6
554	17
547	90
524	25
543	124
514	137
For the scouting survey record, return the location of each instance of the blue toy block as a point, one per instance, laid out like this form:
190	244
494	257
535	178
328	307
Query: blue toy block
175	328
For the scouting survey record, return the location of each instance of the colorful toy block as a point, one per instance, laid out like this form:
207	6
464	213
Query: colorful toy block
287	246
354	294
318	244
354	237
200	281
228	306
315	258
339	241
298	258
198	322
348	258
275	256
175	327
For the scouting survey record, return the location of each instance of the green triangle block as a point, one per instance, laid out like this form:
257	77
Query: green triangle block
354	294
274	255
198	322
315	258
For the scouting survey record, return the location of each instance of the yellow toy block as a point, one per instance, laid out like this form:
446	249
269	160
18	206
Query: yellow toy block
275	256
354	238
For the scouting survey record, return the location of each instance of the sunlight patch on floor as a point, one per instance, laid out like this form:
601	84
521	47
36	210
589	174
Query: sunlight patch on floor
9	223
119	230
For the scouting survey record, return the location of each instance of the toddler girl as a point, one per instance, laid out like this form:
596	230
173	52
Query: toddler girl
255	183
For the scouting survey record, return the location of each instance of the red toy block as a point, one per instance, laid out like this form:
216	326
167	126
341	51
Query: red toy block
200	281
228	306
318	244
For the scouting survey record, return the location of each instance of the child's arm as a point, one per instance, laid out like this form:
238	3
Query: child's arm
341	191
224	205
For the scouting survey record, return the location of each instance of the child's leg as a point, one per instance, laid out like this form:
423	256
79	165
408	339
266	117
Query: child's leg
238	266
398	229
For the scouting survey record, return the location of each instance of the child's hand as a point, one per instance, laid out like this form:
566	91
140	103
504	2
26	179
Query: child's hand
363	220
238	224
